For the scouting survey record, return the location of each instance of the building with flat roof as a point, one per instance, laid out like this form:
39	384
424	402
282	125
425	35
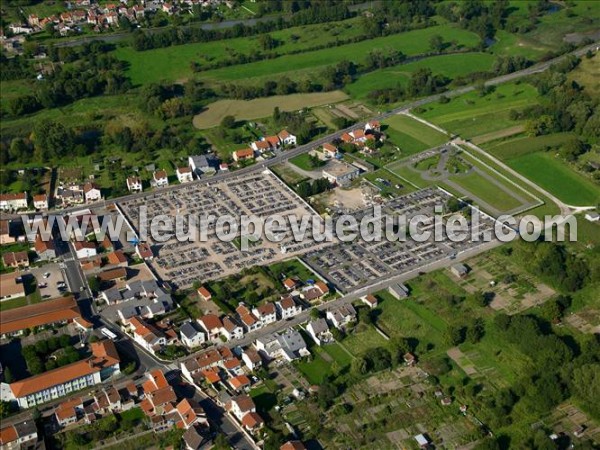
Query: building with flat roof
62	381
340	173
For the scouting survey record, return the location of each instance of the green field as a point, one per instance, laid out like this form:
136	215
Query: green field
303	161
319	365
362	339
447	65
554	176
471	115
392	179
486	191
262	107
519	146
586	74
410	43
412	136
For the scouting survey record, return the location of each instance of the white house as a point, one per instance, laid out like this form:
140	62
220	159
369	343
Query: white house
190	336
160	178
91	192
13	201
266	313
329	150
184	174
231	329
592	216
85	249
40	201
240	406
319	331
342	316
287	345
212	325
146	335
251	358
134	184
287	138
370	300
288	307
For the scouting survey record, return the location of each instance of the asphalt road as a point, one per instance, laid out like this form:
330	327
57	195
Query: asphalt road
330	137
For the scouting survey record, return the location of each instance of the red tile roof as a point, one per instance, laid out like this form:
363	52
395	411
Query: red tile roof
46	312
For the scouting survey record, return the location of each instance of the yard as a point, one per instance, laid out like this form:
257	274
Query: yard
412	136
487	191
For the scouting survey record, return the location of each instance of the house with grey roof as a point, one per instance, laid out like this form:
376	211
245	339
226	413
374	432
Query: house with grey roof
319	331
190	335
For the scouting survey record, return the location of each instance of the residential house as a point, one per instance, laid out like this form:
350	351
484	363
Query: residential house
146	336
13	202
374	125
287	138
342	316
15	260
252	422
249	320
108	400
134	184
370	300
288	307
202	164
358	135
11	287
319	331
190	336
144	251
194	368
314	292
260	146
160	178
68	413
231	329
243	155
240	405
117	258
7	235
287	345
293	445
592	216
116	274
193	439
290	284
85	249
19	435
251	358
91	192
266	313
40	201
340	173
239	383
184	174
399	291
65	380
212	325
44	249
204	293
329	151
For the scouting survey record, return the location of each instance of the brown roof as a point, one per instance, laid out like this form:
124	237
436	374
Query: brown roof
211	321
284	134
50	311
239	381
229	324
40	198
248	319
104	355
157	381
289	283
371	299
113	274
84	244
117	257
9	197
244	402
41	245
184	169
262	145
202	291
144	250
160	174
252	420
89	186
162	396
266	309
329	148
8	434
322	286
287	303
253	355
244	153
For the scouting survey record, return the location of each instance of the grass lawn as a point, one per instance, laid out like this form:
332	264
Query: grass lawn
387	181
262	107
428	163
471	115
338	353
288	175
363	338
5	305
410	43
486	191
586	74
523	145
303	161
316	370
447	65
292	268
557	178
412	136
409	174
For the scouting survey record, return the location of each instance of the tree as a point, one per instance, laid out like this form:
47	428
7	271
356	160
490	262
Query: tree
315	314
475	331
94	284
221	442
228	122
359	366
364	316
436	43
586	386
380	359
455	334
8	376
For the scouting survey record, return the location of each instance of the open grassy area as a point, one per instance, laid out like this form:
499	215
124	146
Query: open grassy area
450	66
319	365
412	136
287	174
410	43
486	191
303	161
557	178
262	107
389	183
586	74
523	145
5	305
471	115
363	338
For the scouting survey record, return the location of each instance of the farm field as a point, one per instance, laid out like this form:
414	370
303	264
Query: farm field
505	149
262	107
471	115
410	43
558	179
412	136
450	66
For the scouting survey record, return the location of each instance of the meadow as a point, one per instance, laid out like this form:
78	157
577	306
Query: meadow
486	191
586	74
262	107
554	176
411	135
472	115
450	66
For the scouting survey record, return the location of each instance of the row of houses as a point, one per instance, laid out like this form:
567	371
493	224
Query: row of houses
20	201
267	144
76	194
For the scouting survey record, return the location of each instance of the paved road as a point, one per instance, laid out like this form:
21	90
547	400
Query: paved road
330	137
